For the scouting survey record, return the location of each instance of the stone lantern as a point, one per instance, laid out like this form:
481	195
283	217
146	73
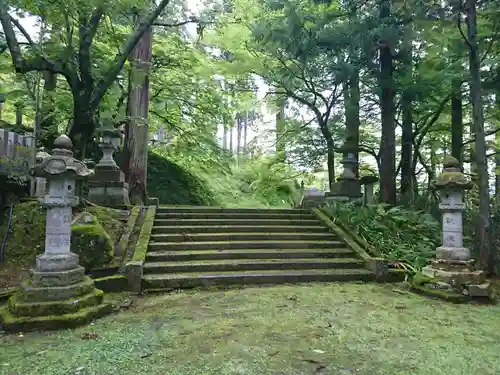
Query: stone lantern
348	186
368	183
453	264
58	294
40	182
108	187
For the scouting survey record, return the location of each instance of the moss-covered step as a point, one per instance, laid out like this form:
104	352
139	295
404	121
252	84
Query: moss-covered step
235	245
112	284
167	229
251	265
173	221
211	209
235	215
235	236
70	306
13	323
187	280
185	256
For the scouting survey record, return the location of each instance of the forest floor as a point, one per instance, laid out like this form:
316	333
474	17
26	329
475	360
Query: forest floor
364	329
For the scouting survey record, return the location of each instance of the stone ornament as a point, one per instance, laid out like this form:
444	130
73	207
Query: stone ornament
61	164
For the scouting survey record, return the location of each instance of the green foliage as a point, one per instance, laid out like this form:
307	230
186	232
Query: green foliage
400	235
255	182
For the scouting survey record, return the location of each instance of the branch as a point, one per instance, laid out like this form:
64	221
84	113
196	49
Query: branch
22	30
459	26
107	80
491	132
177	24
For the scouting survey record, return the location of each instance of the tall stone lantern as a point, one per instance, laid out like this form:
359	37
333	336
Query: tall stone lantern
58	293
348	185
453	264
108	187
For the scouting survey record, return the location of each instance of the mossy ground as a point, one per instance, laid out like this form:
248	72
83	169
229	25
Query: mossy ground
313	329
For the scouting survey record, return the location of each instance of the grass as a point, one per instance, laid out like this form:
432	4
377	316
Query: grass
314	329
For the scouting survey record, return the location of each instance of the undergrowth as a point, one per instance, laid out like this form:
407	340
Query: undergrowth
400	235
218	180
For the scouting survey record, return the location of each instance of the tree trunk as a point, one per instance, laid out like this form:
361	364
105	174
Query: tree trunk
387	144
351	103
407	131
331	163
137	130
224	137
48	131
280	125
485	255
245	133
457	127
497	150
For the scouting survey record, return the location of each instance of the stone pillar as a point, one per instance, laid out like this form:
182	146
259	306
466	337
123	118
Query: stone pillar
348	186
108	187
58	294
453	264
368	182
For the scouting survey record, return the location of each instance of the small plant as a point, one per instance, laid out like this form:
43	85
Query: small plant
407	239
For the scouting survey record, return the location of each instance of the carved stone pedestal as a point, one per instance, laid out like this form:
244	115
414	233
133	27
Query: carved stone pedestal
108	188
348	186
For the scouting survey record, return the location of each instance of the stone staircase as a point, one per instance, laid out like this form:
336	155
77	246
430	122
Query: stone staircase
204	246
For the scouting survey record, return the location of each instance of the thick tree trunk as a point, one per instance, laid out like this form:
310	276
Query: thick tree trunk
457	126
137	130
245	133
485	254
48	131
497	150
351	103
388	141
280	125
331	163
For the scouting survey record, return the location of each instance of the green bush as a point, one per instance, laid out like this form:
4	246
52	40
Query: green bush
399	234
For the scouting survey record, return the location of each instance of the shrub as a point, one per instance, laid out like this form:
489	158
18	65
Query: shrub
399	234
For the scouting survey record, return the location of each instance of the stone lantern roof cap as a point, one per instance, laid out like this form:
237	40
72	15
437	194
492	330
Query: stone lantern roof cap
61	164
366	180
452	177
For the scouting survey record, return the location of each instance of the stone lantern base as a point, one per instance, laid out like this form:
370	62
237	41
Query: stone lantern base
345	190
108	188
55	298
459	276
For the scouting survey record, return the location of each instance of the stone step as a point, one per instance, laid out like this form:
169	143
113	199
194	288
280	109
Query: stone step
235	215
235	245
201	209
238	229
298	253
173	221
205	279
262	236
251	265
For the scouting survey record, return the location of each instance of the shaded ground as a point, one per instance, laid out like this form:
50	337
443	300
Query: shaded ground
314	329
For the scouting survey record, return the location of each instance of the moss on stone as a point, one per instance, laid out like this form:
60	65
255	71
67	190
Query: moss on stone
13	323
92	243
419	283
21	308
112	284
145	234
122	246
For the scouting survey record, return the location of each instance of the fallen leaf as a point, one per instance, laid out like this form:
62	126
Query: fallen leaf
318	351
145	355
89	336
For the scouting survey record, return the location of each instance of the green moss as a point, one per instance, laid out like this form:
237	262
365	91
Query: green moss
112	284
172	184
69	306
13	323
419	283
129	230
143	241
93	245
